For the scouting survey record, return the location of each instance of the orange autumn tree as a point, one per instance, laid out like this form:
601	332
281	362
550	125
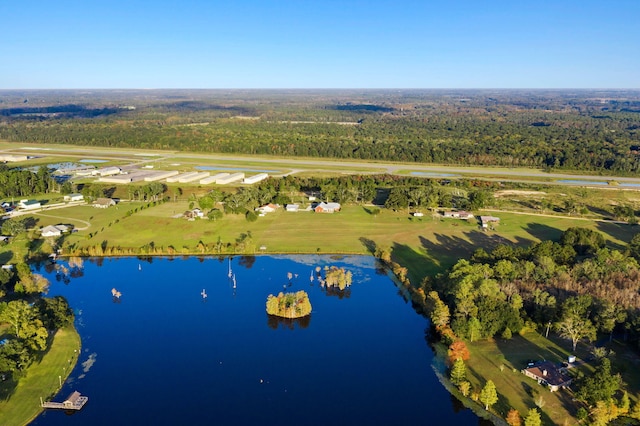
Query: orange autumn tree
458	350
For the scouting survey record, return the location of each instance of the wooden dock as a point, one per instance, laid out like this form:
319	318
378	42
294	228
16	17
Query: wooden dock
75	401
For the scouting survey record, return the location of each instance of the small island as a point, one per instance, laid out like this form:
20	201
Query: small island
337	277
289	305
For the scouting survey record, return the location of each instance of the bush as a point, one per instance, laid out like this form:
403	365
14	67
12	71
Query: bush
251	216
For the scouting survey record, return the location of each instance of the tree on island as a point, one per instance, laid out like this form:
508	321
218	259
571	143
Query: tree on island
289	305
337	277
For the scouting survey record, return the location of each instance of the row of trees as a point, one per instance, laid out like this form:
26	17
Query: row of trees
21	183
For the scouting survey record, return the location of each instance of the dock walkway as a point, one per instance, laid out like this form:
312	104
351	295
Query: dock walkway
75	401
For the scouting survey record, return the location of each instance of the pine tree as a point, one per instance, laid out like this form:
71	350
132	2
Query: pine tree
458	372
489	395
533	418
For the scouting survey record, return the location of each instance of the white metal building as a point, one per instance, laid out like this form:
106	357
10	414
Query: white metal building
231	178
214	178
255	178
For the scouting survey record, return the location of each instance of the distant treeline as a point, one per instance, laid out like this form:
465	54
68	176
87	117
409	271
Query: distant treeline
584	131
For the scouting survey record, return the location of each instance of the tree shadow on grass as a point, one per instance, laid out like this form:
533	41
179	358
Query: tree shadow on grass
449	249
368	244
619	231
600	212
517	351
8	387
543	232
6	256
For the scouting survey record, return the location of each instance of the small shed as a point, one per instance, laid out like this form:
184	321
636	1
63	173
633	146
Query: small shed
486	220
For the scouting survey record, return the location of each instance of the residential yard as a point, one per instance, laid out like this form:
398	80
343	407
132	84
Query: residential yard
501	361
41	380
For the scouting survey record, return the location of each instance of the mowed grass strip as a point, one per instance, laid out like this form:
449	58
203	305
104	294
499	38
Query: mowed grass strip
41	379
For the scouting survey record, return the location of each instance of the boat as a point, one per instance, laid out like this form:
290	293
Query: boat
230	274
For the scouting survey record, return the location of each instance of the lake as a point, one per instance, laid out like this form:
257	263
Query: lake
162	354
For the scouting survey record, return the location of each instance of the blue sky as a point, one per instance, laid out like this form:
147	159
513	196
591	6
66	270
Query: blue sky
319	44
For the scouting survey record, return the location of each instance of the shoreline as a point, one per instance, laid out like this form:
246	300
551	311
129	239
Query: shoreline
23	406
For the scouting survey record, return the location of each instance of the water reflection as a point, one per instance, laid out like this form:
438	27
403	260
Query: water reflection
274	322
336	292
163	337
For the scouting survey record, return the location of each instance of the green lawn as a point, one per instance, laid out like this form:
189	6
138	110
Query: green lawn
501	361
21	404
425	245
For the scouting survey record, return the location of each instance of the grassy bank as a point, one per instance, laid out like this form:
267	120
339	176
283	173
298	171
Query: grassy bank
424	245
21	404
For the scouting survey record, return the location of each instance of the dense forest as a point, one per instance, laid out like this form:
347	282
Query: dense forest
595	131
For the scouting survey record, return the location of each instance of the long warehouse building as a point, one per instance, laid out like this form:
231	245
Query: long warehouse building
192	178
177	178
159	175
231	178
214	178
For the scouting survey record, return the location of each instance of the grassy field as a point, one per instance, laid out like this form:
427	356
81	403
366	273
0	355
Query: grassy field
425	245
23	405
501	361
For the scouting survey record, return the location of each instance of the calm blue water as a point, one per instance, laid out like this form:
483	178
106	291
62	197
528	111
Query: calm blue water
163	356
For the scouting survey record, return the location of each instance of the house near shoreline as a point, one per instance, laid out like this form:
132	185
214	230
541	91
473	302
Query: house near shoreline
548	374
53	230
327	207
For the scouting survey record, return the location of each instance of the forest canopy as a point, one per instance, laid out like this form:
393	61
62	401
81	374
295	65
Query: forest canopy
577	130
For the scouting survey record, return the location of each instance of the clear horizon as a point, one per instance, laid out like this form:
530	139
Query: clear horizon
329	44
